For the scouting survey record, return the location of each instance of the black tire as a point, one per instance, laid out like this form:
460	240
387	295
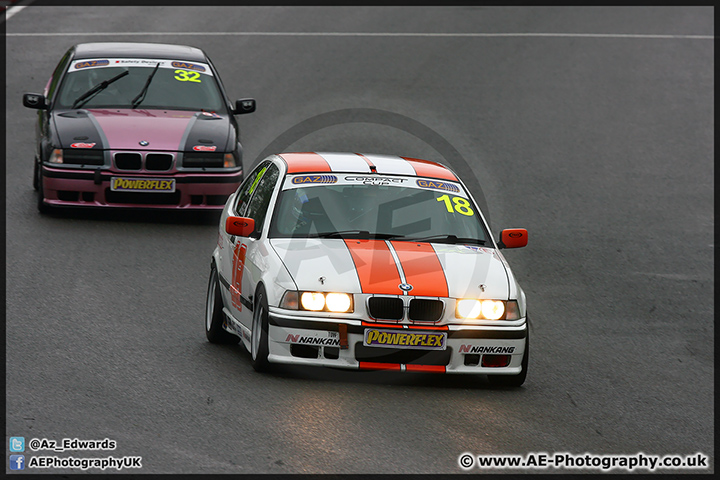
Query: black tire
259	336
36	175
214	316
514	380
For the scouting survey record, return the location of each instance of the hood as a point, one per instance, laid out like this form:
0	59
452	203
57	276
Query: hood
379	267
124	129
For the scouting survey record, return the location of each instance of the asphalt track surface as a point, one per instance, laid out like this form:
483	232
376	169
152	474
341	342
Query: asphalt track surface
591	127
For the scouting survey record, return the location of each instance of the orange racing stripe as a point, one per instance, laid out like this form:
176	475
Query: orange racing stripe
422	269
375	266
380	325
367	160
428	327
305	162
425	368
379	366
425	168
395	325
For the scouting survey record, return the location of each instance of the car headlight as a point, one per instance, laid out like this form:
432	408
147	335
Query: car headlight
209	159
289	300
229	160
318	301
56	156
338	302
472	308
314	301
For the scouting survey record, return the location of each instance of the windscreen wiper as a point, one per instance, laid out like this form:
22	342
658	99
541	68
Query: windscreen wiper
141	96
87	96
356	234
447	239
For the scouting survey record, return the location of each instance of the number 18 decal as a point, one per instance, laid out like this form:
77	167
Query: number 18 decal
458	204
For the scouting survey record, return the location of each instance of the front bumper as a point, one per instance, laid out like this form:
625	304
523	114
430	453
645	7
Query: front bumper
91	188
297	340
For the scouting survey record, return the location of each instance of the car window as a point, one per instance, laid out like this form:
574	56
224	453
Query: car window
57	75
260	200
248	187
170	88
393	210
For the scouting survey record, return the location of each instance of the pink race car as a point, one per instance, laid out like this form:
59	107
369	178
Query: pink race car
136	125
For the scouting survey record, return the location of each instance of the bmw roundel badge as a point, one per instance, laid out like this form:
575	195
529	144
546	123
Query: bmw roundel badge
405	287
144	143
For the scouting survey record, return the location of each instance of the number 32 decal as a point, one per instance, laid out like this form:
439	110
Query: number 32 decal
187	76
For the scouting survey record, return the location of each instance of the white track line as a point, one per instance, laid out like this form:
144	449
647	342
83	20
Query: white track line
12	11
369	34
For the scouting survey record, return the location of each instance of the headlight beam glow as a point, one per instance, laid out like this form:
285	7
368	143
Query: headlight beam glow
471	308
331	302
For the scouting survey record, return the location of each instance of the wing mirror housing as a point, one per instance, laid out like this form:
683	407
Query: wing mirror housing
34	100
240	226
513	238
244	105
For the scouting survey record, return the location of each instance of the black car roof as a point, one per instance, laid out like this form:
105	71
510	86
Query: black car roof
145	50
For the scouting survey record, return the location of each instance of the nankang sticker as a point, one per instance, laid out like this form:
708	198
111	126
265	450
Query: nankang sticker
310	340
496	349
91	63
404	339
375	180
205	148
436	185
188	66
82	145
314	179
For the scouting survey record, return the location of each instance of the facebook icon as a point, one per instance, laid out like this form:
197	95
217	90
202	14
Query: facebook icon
17	462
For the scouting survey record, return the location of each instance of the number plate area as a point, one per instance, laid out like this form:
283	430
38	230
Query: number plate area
127	184
404	338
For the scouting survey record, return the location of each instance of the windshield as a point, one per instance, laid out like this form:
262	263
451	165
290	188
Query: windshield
176	85
402	210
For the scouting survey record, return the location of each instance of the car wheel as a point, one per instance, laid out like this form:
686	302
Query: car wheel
259	335
214	316
514	380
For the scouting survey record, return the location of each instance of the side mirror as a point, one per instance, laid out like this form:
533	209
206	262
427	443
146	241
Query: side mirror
513	238
240	226
245	105
34	100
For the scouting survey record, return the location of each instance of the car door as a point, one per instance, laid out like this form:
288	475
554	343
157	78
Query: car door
243	261
226	242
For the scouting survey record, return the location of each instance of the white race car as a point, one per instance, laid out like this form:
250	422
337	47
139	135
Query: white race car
366	262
